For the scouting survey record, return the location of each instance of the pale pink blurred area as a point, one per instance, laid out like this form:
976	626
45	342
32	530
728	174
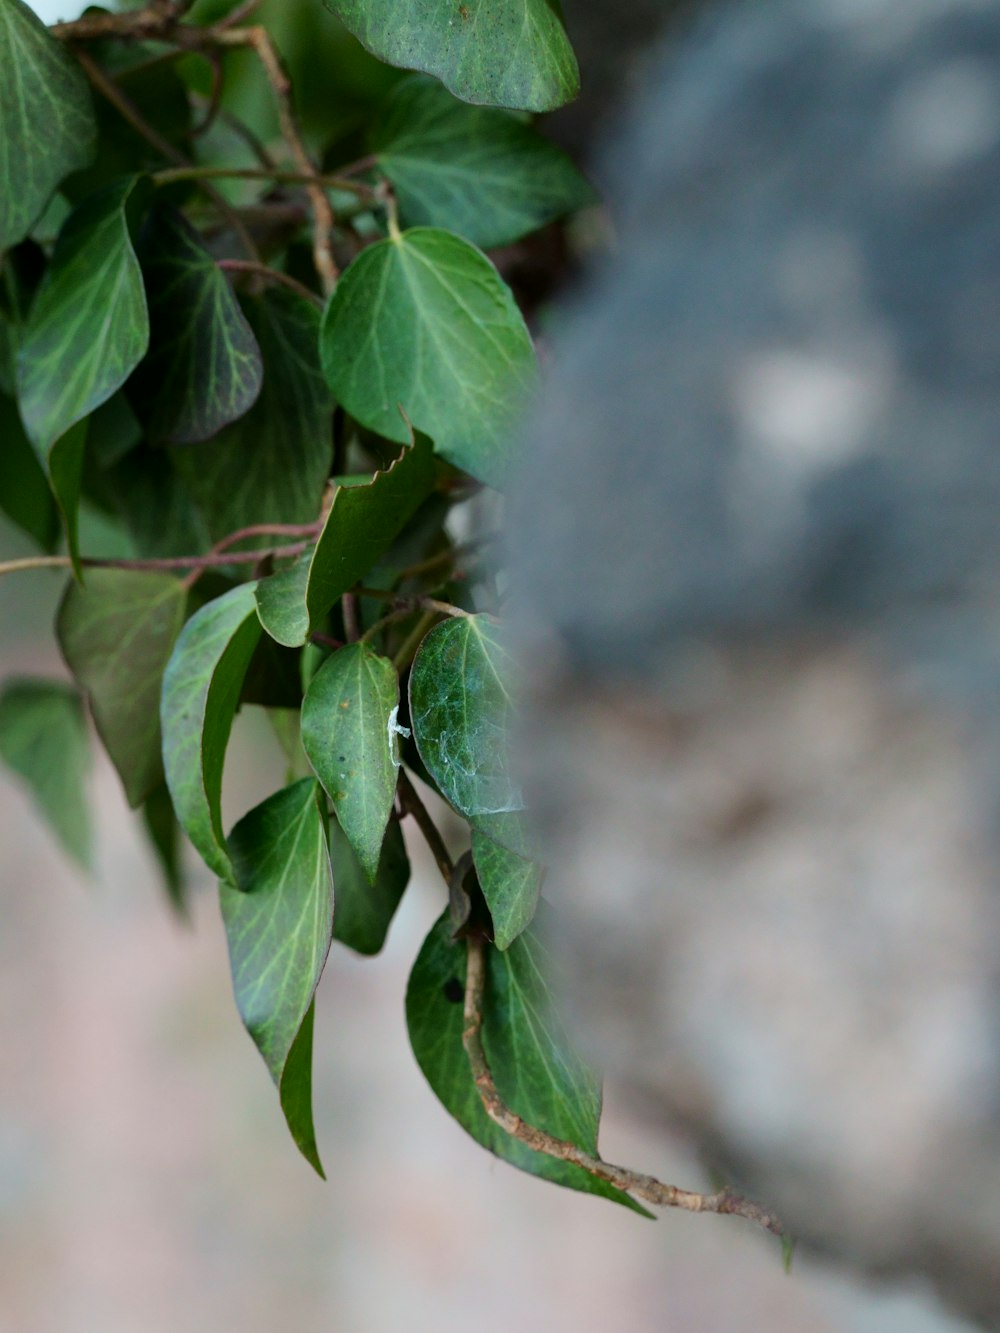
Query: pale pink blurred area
147	1181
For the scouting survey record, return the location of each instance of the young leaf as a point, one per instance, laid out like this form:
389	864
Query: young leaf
204	368
271	465
348	721
278	925
511	53
362	523
24	492
43	738
88	328
424	322
365	911
163	831
201	691
536	1070
46	115
459	706
510	885
116	634
477	171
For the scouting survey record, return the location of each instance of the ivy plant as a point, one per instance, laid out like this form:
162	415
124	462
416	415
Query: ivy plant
274	351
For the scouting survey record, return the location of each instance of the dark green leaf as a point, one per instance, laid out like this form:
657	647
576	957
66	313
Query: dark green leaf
459	706
204	368
271	465
348	731
201	690
499	52
163	831
156	505
24	492
278	925
46	119
362	523
43	738
510	885
365	911
481	172
536	1071
424	322
116	633
88	327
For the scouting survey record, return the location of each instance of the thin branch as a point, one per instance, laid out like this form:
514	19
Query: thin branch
170	174
408	648
214	560
411	804
647	1188
259	39
124	105
349	611
271	275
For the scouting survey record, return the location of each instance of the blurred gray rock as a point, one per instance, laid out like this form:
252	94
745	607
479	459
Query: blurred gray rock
756	548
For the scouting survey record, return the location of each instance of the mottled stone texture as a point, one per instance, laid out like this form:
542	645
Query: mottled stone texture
757	548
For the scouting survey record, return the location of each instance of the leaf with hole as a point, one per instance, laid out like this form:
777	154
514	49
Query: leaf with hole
201	691
535	1068
204	367
116	633
348	732
278	922
459	707
511	53
475	170
424	323
47	119
362	523
43	738
271	465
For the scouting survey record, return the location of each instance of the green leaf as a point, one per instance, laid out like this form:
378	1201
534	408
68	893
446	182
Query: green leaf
480	172
24	492
459	706
271	465
536	1071
511	53
43	738
348	732
204	368
361	525
201	691
88	328
46	116
510	885
163	831
365	911
278	926
424	322
116	634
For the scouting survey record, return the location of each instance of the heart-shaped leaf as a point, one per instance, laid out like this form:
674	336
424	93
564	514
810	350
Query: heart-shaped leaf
201	691
88	327
510	884
278	926
271	465
424	323
365	911
483	173
43	738
459	707
116	634
536	1070
499	52
204	368
46	115
362	523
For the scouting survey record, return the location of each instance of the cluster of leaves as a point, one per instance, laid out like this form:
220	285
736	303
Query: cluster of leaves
283	462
